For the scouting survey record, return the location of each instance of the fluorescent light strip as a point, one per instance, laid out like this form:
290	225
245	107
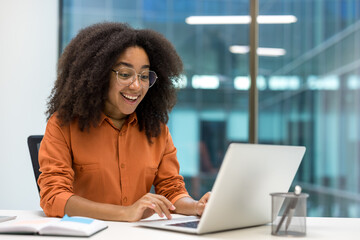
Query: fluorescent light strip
205	82
239	49
276	19
194	20
271	52
262	19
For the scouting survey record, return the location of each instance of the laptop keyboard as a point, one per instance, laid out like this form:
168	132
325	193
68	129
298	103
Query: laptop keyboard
192	224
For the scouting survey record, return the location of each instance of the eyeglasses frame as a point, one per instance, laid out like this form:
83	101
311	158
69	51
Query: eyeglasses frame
137	75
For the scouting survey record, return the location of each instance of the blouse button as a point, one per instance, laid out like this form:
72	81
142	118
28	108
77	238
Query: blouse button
122	165
125	199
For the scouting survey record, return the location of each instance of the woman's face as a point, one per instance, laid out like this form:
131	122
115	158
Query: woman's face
123	100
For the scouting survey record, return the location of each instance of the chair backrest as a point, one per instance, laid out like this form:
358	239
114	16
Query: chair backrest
34	145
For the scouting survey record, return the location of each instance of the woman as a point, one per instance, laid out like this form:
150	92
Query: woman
106	141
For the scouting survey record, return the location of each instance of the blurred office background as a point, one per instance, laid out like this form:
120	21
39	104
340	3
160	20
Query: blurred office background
308	82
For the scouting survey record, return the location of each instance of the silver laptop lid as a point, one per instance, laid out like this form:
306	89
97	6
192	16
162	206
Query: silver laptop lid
249	173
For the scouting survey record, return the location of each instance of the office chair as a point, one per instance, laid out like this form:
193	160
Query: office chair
34	145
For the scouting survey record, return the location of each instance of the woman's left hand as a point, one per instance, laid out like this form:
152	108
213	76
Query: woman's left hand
201	204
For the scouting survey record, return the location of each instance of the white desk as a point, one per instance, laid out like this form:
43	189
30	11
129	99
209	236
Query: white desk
317	228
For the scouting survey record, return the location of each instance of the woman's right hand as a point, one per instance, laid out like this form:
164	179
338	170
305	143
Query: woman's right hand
147	206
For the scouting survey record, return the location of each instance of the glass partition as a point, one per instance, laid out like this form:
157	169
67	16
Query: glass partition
308	82
311	96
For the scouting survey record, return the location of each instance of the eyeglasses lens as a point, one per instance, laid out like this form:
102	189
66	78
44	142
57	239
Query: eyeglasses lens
127	76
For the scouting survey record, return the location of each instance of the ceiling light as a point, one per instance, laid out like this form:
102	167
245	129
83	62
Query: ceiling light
205	82
271	52
276	19
262	19
218	20
239	49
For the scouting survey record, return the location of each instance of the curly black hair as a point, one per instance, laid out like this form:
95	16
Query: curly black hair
82	84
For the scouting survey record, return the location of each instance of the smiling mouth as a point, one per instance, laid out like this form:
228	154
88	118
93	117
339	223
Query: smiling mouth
130	98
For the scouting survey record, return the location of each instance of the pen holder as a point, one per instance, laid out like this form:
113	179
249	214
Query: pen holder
288	214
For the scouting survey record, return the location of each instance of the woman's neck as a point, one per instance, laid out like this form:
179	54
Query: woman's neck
118	120
118	123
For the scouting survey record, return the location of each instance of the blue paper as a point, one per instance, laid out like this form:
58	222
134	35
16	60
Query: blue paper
77	219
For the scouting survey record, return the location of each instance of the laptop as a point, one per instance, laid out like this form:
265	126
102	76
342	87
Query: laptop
240	195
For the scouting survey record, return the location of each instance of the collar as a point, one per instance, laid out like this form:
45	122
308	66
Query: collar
132	119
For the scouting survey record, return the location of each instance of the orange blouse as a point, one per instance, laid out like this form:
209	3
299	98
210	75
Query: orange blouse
105	164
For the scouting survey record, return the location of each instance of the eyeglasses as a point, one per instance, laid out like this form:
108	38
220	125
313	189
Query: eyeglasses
126	76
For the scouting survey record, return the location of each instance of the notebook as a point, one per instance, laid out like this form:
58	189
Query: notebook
240	195
66	226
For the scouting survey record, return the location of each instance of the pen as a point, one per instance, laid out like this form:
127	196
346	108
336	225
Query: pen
289	211
292	206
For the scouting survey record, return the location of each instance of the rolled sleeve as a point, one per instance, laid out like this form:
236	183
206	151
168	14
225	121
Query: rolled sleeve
168	181
57	176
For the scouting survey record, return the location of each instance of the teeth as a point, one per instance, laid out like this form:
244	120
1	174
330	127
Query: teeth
130	97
